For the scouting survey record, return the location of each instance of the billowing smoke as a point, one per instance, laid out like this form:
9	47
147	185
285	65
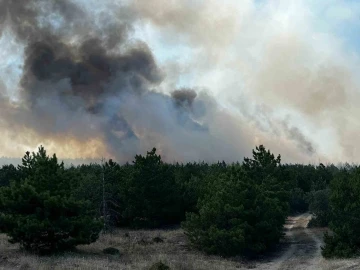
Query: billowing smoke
205	80
66	84
86	84
184	97
299	58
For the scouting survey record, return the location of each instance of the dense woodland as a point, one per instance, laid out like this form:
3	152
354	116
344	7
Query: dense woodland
225	209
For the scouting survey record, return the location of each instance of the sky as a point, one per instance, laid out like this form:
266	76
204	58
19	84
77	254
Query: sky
279	73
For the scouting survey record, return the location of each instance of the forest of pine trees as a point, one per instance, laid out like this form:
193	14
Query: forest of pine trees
224	209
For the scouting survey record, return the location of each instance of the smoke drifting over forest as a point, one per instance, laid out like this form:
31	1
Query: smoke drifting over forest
86	81
89	85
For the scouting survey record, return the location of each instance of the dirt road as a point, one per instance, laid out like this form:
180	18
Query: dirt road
304	250
305	245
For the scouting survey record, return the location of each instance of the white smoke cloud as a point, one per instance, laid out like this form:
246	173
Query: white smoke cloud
289	56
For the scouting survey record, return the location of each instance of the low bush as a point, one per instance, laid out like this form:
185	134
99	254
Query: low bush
159	266
111	251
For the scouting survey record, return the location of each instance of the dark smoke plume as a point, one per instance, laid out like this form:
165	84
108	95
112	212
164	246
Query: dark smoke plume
184	97
85	79
303	143
92	74
88	81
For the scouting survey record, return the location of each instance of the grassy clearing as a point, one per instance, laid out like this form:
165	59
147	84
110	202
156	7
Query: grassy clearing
138	250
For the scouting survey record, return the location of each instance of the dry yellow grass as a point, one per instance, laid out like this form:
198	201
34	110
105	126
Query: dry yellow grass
137	248
139	251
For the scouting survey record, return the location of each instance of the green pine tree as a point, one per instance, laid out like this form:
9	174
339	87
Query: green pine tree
152	196
344	216
243	209
40	212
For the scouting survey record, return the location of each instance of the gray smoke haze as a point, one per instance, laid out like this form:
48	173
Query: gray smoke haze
87	89
299	58
199	80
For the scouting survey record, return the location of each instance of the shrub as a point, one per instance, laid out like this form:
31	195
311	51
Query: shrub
345	213
159	266
111	251
336	247
40	212
158	239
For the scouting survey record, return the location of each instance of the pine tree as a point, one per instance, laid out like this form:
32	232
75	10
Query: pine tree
344	216
152	196
243	209
40	212
8	173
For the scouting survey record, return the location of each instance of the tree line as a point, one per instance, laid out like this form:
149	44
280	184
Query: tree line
225	209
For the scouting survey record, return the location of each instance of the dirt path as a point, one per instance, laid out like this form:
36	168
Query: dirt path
304	250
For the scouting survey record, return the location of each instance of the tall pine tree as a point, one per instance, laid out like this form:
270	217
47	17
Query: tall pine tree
40	212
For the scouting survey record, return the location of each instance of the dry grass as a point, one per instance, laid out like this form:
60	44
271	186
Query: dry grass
137	248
